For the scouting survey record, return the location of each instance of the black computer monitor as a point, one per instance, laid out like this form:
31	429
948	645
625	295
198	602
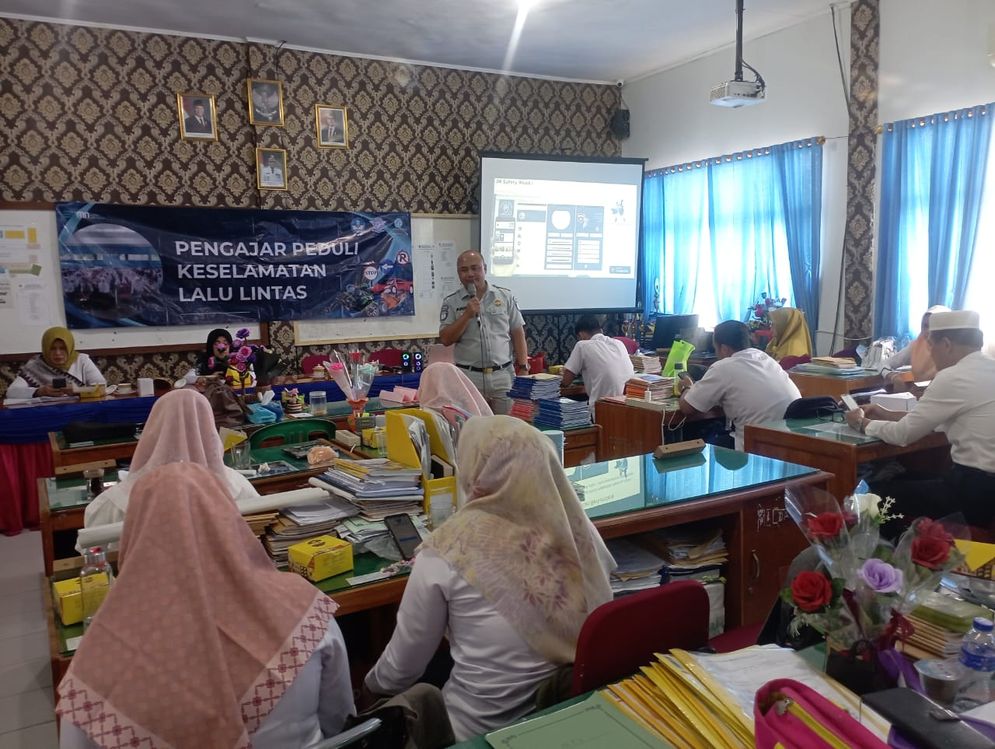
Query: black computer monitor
669	327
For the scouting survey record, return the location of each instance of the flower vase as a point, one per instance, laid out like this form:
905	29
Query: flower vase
859	668
357	409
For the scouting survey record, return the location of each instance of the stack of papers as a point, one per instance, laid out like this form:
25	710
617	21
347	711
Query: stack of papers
562	413
535	387
376	487
822	369
688	554
359	531
259	522
646	363
638	568
301	523
836	362
650	387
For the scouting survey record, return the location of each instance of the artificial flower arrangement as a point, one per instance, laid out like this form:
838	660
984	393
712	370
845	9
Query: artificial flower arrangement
249	362
868	586
759	314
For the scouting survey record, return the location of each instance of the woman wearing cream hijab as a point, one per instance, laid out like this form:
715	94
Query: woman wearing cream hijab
180	429
509	579
790	336
58	360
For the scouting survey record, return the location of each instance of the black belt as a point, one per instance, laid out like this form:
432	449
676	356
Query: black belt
485	370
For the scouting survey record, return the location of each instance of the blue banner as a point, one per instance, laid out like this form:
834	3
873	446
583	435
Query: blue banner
132	265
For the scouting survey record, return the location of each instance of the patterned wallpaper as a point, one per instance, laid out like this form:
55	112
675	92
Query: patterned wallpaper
858	238
90	114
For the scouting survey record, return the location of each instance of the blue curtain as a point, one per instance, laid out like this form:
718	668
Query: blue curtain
932	183
718	233
798	171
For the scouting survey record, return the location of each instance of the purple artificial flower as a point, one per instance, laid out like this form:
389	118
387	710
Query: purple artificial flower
238	358
242	333
881	577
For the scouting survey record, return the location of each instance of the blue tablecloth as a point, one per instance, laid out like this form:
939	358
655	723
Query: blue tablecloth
19	426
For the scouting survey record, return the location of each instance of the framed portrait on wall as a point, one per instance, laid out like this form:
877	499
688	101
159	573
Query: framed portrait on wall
271	169
265	102
198	118
331	123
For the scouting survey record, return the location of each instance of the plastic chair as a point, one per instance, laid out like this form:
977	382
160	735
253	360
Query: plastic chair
312	361
631	344
290	432
387	357
620	636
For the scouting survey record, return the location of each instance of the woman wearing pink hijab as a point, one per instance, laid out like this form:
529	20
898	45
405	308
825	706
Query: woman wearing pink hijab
201	642
444	384
180	429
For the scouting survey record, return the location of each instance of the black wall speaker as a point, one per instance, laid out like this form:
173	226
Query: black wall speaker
619	124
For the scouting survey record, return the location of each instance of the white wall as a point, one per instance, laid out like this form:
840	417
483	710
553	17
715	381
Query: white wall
672	121
934	56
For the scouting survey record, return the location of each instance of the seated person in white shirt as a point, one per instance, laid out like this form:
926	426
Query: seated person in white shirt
180	429
508	579
200	641
961	403
56	369
748	385
602	362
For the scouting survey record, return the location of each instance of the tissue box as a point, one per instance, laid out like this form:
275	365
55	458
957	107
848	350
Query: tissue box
69	600
320	558
894	401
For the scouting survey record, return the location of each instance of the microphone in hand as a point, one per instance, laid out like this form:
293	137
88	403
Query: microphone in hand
472	291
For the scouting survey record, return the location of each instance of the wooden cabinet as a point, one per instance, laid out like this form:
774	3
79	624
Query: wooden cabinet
581	446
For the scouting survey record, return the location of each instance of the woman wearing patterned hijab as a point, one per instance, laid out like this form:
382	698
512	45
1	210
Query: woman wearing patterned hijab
58	360
201	642
509	579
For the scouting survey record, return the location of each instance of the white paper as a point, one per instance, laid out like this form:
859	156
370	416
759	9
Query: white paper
14	244
30	294
6	290
424	258
445	262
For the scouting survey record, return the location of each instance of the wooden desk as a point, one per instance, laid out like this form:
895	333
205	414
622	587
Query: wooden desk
580	445
741	494
810	385
631	430
840	456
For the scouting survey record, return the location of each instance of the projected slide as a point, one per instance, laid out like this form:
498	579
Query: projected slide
561	228
615	481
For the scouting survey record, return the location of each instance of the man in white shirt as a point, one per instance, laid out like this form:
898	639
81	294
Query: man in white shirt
961	403
602	362
748	385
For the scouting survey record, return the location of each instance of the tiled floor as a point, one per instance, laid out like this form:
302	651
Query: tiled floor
26	707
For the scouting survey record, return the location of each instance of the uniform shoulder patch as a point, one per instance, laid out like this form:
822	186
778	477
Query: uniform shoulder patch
444	313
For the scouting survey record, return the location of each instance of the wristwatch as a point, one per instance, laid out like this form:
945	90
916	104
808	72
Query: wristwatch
521	366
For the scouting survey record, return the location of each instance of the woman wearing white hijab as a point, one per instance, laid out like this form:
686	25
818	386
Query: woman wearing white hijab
509	579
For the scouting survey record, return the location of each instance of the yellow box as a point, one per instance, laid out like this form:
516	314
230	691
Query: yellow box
321	557
69	599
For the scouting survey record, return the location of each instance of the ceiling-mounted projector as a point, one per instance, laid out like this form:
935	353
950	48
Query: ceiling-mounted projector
737	92
734	94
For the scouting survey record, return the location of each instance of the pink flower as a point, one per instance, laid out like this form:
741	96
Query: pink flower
246	352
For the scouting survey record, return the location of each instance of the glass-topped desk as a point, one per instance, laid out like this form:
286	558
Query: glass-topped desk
741	494
835	448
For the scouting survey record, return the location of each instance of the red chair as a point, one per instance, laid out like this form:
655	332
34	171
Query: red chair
631	345
620	636
387	357
311	361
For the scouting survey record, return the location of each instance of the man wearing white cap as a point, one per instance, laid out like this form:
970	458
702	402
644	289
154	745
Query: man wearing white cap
961	403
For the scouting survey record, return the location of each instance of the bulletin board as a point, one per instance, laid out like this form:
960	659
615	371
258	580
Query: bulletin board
31	295
436	241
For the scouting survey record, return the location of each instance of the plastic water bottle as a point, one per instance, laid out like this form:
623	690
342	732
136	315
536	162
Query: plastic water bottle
94	582
977	653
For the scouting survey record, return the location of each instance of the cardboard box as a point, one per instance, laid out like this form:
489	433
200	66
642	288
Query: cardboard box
320	558
68	597
894	401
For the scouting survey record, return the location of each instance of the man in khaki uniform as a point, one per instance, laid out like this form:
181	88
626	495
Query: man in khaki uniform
486	329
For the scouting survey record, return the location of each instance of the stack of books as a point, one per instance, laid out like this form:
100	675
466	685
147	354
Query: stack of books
940	623
259	522
688	553
562	413
535	387
831	365
646	363
526	392
649	387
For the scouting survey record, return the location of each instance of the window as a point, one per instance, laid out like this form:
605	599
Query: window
719	232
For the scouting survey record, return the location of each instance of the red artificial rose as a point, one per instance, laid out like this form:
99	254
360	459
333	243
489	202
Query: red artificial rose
930	551
825	525
811	591
927	528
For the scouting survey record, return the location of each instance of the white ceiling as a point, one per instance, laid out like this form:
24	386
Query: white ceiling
596	40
